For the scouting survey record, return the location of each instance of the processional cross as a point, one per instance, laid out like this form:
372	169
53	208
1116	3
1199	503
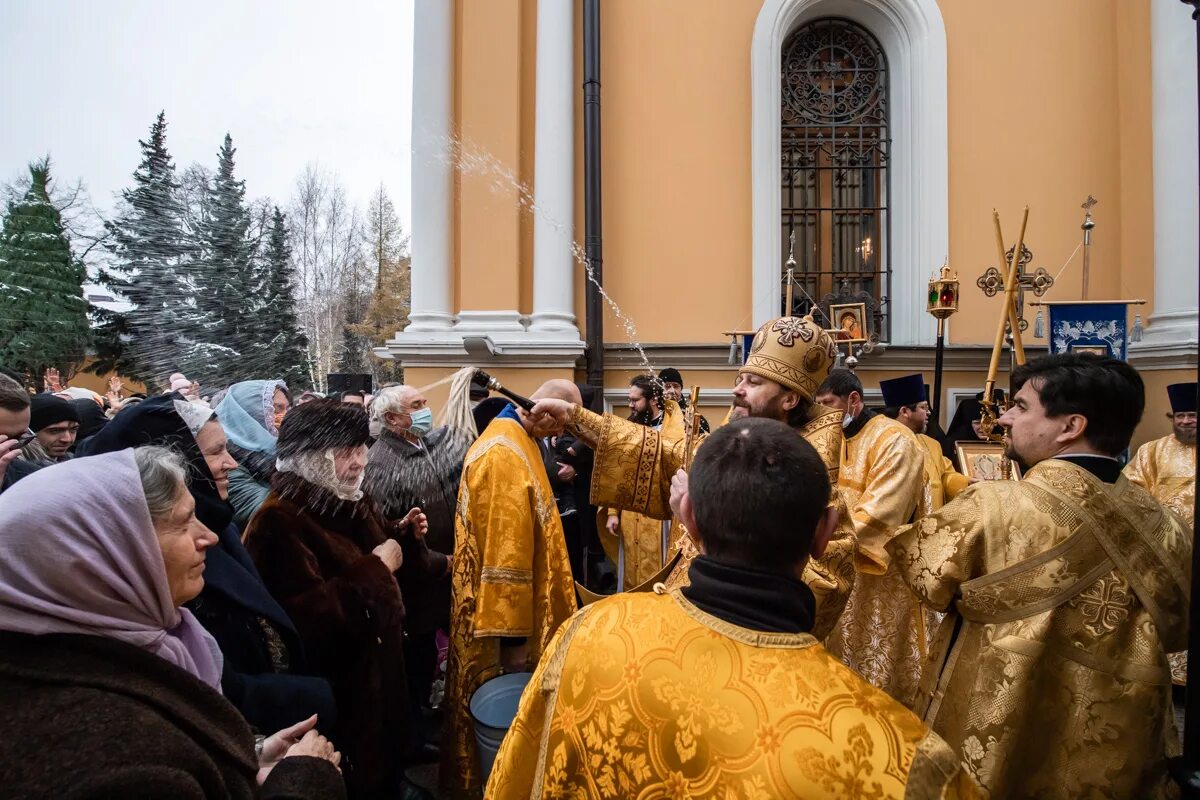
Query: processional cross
1038	282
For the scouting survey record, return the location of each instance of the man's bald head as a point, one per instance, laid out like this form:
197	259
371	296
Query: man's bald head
558	389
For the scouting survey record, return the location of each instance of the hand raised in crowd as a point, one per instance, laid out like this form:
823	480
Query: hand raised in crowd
613	523
115	385
52	380
390	554
679	488
414	521
276	746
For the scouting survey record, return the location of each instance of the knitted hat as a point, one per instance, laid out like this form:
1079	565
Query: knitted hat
47	410
321	424
670	375
794	352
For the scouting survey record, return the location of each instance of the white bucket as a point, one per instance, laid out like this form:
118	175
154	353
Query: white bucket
493	709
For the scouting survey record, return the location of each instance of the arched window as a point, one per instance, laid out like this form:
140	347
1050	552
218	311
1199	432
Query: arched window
834	167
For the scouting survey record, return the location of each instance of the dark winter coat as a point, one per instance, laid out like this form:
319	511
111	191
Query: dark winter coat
265	673
314	554
90	717
401	476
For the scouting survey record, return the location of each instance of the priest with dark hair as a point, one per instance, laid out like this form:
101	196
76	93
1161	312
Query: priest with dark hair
719	684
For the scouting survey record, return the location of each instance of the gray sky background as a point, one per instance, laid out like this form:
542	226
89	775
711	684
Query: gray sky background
293	82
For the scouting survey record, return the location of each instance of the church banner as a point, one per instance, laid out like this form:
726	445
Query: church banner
1089	327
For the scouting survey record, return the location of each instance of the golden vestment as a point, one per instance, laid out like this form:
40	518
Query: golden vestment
1166	468
647	696
943	481
512	578
884	633
642	535
1050	676
633	470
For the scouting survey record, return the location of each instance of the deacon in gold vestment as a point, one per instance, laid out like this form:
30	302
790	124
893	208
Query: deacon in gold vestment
1065	591
883	633
716	690
512	585
906	400
634	464
1166	468
642	535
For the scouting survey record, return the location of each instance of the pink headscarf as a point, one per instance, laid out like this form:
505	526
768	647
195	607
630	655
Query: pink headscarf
81	556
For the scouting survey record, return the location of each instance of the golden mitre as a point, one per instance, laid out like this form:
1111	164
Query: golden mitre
794	352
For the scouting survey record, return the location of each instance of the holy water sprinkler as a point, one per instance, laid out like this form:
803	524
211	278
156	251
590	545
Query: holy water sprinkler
485	381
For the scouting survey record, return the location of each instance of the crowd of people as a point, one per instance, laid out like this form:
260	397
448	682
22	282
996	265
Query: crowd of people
240	592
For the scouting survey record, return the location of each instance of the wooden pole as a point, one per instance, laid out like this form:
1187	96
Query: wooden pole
1009	293
1011	269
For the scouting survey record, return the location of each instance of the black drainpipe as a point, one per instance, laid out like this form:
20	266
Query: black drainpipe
591	192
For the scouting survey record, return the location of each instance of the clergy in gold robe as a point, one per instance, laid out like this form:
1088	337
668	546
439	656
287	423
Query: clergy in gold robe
634	464
633	541
906	400
718	690
883	633
1065	591
1166	468
511	585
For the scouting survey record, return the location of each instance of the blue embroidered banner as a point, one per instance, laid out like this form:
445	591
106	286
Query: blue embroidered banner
1089	327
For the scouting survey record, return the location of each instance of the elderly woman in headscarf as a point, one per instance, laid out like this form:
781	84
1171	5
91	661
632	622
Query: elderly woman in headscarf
333	561
250	413
109	685
265	664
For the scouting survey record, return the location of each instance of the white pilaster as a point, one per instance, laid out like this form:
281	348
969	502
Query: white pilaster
554	172
432	167
1172	326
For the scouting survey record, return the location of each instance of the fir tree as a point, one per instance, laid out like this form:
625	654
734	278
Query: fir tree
223	327
284	345
151	253
43	314
392	294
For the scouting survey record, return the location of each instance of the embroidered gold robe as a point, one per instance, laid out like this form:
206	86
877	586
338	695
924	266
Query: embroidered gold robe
633	470
647	696
1065	593
884	633
512	578
943	481
1166	468
642	535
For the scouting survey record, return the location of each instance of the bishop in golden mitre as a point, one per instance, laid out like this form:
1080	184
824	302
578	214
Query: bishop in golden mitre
906	400
884	633
634	541
511	585
718	689
1064	592
1166	468
634	464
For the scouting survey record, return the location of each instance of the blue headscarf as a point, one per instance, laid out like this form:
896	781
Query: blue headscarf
248	415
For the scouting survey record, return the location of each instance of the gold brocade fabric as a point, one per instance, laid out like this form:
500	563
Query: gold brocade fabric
512	578
1166	468
944	483
633	469
647	696
884	633
1065	592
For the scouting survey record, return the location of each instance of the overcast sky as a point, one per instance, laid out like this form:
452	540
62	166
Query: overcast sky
293	81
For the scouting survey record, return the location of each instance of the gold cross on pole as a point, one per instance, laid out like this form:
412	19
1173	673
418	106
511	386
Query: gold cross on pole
1039	282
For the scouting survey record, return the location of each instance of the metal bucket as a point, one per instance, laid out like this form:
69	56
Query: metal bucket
493	709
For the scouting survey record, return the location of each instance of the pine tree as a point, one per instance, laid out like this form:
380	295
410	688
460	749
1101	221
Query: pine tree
284	348
223	326
390	300
43	314
152	255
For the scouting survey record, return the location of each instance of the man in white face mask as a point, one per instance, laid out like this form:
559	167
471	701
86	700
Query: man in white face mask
413	464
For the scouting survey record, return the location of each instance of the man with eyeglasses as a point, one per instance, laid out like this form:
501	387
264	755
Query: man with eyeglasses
14	431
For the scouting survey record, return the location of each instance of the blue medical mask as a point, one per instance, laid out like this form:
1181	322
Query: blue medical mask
422	422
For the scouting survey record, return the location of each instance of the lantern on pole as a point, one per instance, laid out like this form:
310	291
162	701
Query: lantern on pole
943	303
